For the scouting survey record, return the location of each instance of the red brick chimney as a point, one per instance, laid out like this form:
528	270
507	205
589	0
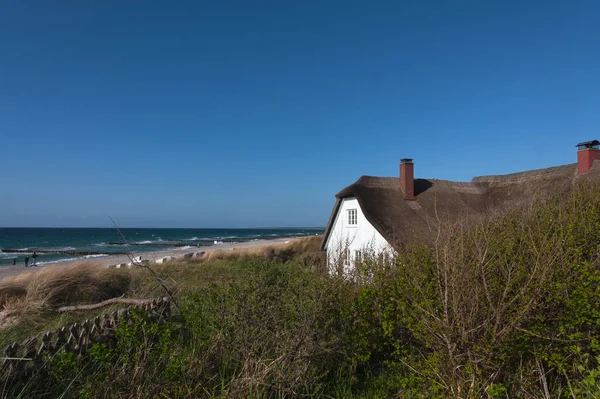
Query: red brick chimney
407	178
587	153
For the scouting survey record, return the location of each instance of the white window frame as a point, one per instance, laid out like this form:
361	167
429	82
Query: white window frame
357	256
352	216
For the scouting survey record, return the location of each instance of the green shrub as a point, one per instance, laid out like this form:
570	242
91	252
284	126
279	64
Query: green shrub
505	307
488	303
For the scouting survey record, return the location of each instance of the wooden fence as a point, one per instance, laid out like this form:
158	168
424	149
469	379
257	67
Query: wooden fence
24	358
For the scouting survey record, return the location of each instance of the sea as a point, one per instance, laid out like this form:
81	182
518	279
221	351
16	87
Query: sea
68	244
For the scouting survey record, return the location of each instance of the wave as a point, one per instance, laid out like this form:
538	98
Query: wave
56	261
8	255
186	247
101	244
96	256
71	259
144	242
64	249
192	239
217	242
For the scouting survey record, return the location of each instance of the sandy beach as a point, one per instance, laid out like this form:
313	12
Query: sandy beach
151	256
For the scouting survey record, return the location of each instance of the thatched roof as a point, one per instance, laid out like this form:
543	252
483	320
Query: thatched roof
438	201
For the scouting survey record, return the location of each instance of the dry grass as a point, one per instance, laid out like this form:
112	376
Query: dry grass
32	293
11	291
279	251
187	275
82	282
52	287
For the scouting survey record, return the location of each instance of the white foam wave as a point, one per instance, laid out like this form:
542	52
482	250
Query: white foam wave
192	239
56	261
96	256
217	242
144	242
71	259
186	247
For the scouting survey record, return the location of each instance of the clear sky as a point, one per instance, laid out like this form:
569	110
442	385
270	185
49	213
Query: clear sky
254	113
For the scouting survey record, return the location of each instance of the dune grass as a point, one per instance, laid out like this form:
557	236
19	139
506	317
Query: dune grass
29	301
280	252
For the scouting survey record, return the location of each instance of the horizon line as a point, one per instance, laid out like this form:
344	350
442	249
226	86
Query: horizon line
190	228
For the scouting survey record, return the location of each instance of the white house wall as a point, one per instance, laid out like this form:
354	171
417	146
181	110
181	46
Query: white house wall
361	237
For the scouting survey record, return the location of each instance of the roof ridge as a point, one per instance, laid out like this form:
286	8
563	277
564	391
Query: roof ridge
437	200
525	174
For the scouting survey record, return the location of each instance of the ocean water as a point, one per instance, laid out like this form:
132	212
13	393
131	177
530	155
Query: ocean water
104	242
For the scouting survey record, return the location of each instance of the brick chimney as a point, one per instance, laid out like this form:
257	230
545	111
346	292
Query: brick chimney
587	153
407	178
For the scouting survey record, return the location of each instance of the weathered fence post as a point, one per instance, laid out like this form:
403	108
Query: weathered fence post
21	359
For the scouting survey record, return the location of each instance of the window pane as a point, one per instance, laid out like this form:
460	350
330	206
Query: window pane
352	216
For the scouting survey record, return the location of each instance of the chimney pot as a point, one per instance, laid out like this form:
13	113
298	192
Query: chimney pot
587	153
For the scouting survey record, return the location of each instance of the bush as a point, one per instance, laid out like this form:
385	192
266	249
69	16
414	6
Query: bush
484	306
278	333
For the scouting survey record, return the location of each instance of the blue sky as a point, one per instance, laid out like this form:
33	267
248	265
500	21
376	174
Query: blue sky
254	113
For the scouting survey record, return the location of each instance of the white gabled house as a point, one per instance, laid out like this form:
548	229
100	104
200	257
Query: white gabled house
351	236
355	227
380	215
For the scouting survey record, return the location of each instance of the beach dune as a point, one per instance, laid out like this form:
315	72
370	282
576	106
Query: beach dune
151	257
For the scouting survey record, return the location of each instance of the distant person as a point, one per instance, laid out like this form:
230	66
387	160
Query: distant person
26	261
14	261
34	256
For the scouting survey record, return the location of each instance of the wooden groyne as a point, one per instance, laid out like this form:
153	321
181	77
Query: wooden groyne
56	251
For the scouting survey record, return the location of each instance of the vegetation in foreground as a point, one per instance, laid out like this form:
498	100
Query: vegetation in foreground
509	307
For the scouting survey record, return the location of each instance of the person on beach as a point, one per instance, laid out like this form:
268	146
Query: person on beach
14	261
34	256
26	261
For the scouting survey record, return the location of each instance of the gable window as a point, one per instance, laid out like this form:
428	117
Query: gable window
352	217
